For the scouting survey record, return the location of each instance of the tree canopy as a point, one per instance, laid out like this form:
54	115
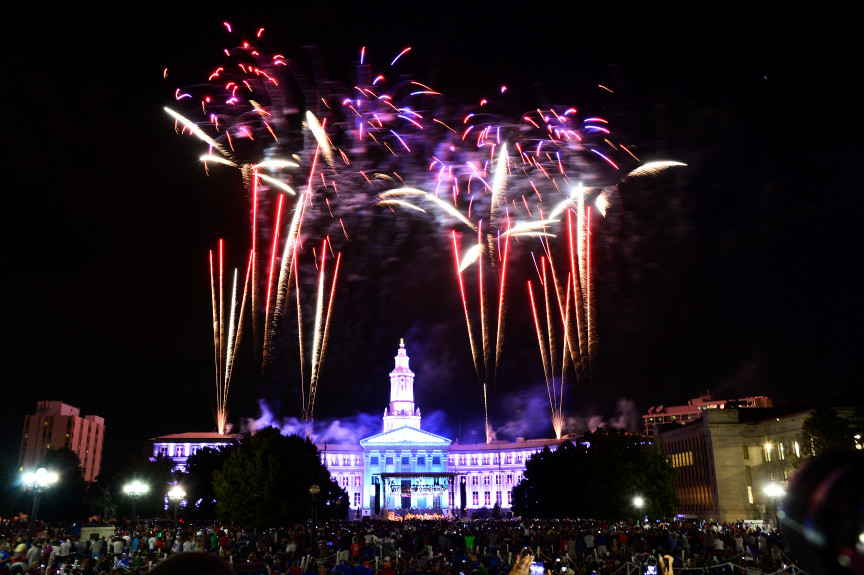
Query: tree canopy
201	467
265	481
826	431
599	476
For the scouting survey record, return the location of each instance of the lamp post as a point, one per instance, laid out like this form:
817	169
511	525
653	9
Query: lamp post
176	494
37	481
135	490
638	502
314	491
774	491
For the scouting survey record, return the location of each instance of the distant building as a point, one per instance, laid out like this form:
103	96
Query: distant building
728	460
179	446
405	470
55	425
660	416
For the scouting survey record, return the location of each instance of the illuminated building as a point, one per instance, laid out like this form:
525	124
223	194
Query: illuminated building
179	446
56	425
659	416
730	461
405	470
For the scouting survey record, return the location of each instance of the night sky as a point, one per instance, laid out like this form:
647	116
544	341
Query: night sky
739	274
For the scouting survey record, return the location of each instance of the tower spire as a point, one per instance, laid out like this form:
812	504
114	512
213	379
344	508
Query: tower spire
401	411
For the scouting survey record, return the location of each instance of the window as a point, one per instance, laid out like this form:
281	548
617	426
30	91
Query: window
344	481
796	448
487	498
473	460
436	460
498	497
486	480
485	460
357	499
406	460
356	481
498	479
519	458
373	460
389	460
474	480
510	497
782	451
462	460
346	461
178	451
475	498
509	479
421	461
508	458
750	494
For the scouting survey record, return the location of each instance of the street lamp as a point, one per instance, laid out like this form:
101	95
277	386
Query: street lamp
314	491
638	502
176	494
774	491
135	490
37	481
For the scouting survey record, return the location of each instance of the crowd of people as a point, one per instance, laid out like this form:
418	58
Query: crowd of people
414	547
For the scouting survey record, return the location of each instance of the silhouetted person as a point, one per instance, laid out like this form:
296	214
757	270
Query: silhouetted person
823	514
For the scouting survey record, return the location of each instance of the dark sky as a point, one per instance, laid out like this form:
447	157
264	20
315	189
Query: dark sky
739	274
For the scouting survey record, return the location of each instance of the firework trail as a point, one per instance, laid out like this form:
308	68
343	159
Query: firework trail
567	334
225	342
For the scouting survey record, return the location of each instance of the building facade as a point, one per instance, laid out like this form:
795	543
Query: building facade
405	470
56	425
733	464
179	446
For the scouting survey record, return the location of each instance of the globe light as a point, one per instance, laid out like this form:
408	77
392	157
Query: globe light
177	493
136	488
39	479
774	490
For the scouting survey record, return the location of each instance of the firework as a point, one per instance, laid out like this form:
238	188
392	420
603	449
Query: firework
225	342
497	198
311	157
250	121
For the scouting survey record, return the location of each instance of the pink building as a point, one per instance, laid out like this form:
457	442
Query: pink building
55	425
659	416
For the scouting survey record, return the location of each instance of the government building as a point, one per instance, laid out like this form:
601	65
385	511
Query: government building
404	470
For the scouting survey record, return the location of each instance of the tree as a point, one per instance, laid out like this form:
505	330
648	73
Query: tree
157	475
825	431
65	499
597	477
198	481
265	481
12	497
